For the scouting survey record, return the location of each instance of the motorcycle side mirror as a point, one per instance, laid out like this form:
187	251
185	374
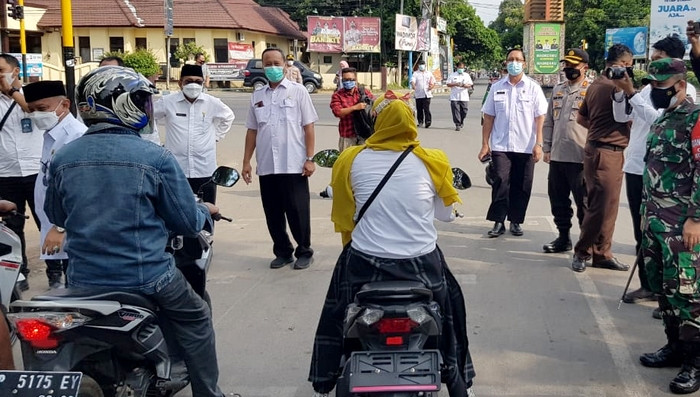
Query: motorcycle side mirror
326	158
225	176
460	179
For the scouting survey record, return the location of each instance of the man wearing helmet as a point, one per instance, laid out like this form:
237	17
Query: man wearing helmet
140	190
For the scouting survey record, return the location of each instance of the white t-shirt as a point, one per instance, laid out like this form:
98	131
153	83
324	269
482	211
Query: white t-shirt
399	222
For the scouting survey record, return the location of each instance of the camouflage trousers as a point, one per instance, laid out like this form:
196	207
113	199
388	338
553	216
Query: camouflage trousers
672	271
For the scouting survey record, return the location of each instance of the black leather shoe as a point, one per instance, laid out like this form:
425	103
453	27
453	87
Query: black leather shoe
687	381
639	295
612	264
303	262
280	261
498	229
667	356
656	313
578	264
516	229
427	125
561	244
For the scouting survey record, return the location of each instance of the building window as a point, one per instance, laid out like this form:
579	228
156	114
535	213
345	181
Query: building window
140	42
327	59
188	40
84	48
174	42
221	50
116	44
271	45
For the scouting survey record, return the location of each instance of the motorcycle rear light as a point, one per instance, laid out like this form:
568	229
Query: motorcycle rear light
37	333
370	316
395	325
418	314
59	321
394	340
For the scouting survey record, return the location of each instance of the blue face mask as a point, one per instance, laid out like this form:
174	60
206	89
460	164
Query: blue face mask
274	73
460	71
421	67
348	85
515	68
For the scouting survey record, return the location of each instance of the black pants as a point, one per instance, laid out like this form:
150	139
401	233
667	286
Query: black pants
20	190
56	267
634	185
423	111
459	112
563	179
286	199
208	191
510	191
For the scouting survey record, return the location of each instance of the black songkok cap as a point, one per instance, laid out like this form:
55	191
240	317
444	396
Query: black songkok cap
43	89
191	70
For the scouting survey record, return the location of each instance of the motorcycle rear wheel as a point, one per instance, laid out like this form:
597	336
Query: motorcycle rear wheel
89	388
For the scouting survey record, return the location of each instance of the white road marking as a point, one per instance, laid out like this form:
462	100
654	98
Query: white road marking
626	368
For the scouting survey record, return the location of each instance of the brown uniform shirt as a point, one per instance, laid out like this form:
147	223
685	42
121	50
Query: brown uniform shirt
597	108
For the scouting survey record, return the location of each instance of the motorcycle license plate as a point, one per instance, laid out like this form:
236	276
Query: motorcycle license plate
39	383
394	371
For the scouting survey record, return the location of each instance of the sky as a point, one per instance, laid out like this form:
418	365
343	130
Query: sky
487	10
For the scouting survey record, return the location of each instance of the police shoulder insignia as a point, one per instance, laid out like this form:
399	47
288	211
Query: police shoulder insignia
585	83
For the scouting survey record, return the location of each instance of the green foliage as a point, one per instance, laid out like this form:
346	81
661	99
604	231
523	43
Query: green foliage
588	19
141	60
509	23
186	52
692	78
475	44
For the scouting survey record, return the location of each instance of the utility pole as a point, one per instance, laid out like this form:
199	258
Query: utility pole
400	72
168	7
22	39
3	28
68	50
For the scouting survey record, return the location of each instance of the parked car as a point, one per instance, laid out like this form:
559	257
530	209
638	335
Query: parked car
254	76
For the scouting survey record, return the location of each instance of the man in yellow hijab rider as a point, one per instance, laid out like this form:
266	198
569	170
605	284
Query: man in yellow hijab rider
394	240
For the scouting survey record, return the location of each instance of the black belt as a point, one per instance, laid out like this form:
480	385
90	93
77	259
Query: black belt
601	145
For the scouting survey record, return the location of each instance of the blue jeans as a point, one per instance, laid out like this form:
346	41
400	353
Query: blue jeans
189	318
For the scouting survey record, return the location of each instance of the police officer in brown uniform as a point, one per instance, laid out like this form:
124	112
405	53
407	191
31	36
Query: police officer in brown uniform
564	140
602	167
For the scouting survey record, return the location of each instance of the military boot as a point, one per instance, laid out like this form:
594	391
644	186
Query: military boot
671	355
688	379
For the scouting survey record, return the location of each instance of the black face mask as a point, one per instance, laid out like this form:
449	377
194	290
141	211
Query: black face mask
572	73
661	97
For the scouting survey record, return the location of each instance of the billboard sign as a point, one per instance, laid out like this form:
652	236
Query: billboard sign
669	17
406	33
547	47
362	34
35	65
240	51
325	34
634	38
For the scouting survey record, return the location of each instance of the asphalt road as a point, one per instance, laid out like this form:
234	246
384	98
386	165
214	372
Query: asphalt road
536	328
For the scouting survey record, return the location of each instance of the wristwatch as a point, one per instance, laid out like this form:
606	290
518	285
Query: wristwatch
539	144
309	159
59	229
12	91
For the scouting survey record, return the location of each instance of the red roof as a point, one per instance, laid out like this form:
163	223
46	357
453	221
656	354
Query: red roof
201	14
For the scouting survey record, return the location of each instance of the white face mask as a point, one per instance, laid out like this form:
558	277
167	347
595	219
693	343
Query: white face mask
9	77
192	90
45	120
290	63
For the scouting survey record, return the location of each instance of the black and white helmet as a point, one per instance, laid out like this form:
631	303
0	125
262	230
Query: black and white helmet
116	95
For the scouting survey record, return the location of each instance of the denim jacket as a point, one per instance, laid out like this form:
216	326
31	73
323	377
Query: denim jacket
118	195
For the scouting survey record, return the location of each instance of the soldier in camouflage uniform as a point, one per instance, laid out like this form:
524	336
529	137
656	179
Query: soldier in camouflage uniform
671	204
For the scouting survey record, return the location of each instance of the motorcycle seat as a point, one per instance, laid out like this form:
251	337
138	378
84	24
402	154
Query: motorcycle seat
392	291
84	294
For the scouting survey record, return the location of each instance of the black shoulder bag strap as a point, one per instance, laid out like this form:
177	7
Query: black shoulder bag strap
383	182
7	114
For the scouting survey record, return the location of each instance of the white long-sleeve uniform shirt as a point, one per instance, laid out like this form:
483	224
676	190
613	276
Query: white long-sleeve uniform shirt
192	130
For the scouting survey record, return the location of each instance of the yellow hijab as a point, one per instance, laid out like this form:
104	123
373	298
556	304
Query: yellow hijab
394	129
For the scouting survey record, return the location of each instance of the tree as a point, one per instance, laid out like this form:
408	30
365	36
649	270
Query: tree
509	23
141	60
475	44
186	52
588	19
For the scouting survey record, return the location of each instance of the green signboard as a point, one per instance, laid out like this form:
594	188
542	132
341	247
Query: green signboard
547	47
